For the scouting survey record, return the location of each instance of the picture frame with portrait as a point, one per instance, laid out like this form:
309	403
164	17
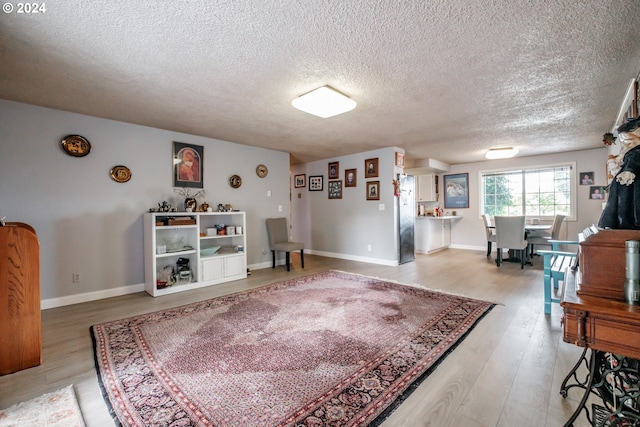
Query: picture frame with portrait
371	168
351	177
586	178
596	192
188	161
373	190
334	170
300	181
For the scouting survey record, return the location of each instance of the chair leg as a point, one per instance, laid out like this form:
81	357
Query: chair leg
273	255
288	256
522	255
499	257
302	257
489	248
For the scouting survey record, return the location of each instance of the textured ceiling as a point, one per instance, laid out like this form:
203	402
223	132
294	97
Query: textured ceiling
443	79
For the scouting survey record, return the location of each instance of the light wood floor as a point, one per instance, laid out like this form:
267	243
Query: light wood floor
507	372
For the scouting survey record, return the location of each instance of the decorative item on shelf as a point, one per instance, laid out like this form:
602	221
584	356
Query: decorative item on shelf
204	207
190	198
164	206
76	146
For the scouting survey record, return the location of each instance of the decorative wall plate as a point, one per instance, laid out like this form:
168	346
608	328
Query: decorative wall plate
235	181
76	146
120	173
262	171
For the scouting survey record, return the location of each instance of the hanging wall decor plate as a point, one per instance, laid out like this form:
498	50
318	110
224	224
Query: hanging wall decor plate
120	173
76	146
262	171
235	181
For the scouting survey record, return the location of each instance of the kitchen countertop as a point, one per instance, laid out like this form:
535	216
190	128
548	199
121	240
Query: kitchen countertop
440	217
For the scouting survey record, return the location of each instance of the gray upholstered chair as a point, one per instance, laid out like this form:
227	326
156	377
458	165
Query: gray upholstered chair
543	237
510	234
491	235
279	241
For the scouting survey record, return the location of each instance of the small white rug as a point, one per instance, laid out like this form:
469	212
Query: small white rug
57	409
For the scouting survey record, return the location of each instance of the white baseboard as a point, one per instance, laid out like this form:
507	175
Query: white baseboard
90	296
353	258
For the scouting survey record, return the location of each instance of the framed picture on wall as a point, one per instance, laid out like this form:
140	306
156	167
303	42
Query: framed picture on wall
596	193
399	159
334	170
373	190
316	183
335	189
456	191
371	168
586	178
300	181
351	178
187	165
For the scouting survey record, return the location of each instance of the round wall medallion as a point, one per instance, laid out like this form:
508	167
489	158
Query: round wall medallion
235	181
76	146
262	171
120	173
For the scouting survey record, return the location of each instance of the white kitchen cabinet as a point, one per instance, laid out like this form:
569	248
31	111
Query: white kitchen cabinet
213	257
432	234
426	191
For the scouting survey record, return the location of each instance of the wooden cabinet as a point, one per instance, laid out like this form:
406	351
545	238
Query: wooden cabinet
21	332
427	189
173	239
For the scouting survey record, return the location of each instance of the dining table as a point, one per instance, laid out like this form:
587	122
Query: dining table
528	228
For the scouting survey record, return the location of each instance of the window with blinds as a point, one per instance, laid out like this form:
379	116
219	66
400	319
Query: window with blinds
535	192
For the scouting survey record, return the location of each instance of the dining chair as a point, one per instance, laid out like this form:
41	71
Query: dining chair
510	234
279	241
491	235
541	238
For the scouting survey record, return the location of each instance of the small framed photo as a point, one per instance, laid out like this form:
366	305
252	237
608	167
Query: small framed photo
335	189
400	159
300	181
373	190
586	178
596	193
187	165
371	168
316	183
456	191
334	170
351	178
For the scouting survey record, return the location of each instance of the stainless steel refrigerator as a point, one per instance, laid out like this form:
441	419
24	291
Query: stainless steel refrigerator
406	218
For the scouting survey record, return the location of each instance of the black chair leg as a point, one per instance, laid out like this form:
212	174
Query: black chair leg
522	254
288	259
273	255
302	257
488	248
499	257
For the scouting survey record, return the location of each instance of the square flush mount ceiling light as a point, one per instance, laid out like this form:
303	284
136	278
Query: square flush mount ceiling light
324	102
501	153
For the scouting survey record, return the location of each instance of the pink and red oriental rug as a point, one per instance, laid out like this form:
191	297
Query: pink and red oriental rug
329	349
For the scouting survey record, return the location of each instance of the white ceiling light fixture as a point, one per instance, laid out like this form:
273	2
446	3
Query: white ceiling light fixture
501	153
324	102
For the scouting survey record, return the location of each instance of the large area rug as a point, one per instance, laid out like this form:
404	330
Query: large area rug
328	349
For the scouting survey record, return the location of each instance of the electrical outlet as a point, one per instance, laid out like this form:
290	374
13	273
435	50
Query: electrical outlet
76	277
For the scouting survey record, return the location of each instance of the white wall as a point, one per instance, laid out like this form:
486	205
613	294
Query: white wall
344	228
469	231
91	225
